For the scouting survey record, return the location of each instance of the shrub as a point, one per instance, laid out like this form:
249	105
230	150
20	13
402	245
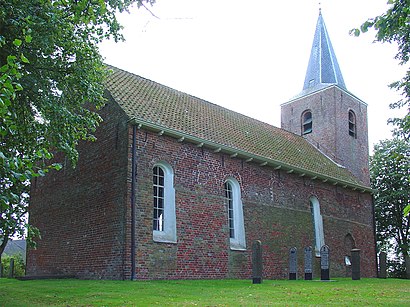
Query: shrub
396	269
19	266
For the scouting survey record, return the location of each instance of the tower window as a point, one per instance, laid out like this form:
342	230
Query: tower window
307	122
352	124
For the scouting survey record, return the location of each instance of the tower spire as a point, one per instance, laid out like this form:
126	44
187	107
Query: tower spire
323	68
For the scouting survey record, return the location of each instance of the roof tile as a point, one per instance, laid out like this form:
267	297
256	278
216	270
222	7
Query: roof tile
152	102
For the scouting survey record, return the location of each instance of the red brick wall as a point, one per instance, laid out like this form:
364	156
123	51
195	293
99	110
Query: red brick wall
276	210
330	133
84	214
80	212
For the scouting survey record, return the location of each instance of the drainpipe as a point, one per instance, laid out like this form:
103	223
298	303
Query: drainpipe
133	186
374	235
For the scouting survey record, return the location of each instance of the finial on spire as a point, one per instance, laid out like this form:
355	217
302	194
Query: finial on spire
320	8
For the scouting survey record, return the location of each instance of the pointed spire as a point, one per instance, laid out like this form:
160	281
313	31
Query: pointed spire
323	68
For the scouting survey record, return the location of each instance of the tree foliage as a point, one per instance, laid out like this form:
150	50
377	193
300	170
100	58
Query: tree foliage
394	26
51	85
390	176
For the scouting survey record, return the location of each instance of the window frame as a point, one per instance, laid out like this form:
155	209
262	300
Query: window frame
168	232
229	199
352	122
236	226
159	198
317	224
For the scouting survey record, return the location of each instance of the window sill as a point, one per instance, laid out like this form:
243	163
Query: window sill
165	241
162	237
237	247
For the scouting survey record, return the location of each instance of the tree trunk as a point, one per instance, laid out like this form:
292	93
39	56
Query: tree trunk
3	245
407	262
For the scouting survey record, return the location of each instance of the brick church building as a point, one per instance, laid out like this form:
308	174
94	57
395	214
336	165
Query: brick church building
176	187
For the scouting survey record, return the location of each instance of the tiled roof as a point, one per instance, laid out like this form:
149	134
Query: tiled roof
187	117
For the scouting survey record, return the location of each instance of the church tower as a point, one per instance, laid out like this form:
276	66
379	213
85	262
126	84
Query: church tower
326	113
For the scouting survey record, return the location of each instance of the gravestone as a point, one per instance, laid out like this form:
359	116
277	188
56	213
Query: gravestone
11	268
257	262
382	265
293	263
355	264
308	263
324	263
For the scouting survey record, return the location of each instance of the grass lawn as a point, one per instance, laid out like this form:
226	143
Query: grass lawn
71	292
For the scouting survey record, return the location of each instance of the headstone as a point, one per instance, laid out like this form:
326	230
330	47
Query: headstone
293	263
355	264
257	262
324	263
11	268
308	263
382	265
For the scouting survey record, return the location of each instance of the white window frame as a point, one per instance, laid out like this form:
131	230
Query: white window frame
238	242
318	225
169	232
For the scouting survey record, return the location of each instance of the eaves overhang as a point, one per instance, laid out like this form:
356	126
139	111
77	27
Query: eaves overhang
247	156
322	88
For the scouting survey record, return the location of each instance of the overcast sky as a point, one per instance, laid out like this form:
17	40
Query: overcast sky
251	56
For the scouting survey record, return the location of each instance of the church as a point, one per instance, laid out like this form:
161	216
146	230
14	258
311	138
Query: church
176	187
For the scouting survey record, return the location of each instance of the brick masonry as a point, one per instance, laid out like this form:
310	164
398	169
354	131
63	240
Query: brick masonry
85	220
81	212
330	133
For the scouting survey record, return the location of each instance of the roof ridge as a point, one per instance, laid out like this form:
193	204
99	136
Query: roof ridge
196	97
210	103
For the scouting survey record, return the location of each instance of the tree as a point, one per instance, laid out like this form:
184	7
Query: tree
394	26
51	86
390	176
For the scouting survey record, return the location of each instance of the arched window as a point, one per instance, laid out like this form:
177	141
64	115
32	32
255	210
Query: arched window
163	221
235	215
352	124
318	224
307	122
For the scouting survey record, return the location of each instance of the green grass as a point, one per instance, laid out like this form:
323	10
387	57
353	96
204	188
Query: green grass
341	292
